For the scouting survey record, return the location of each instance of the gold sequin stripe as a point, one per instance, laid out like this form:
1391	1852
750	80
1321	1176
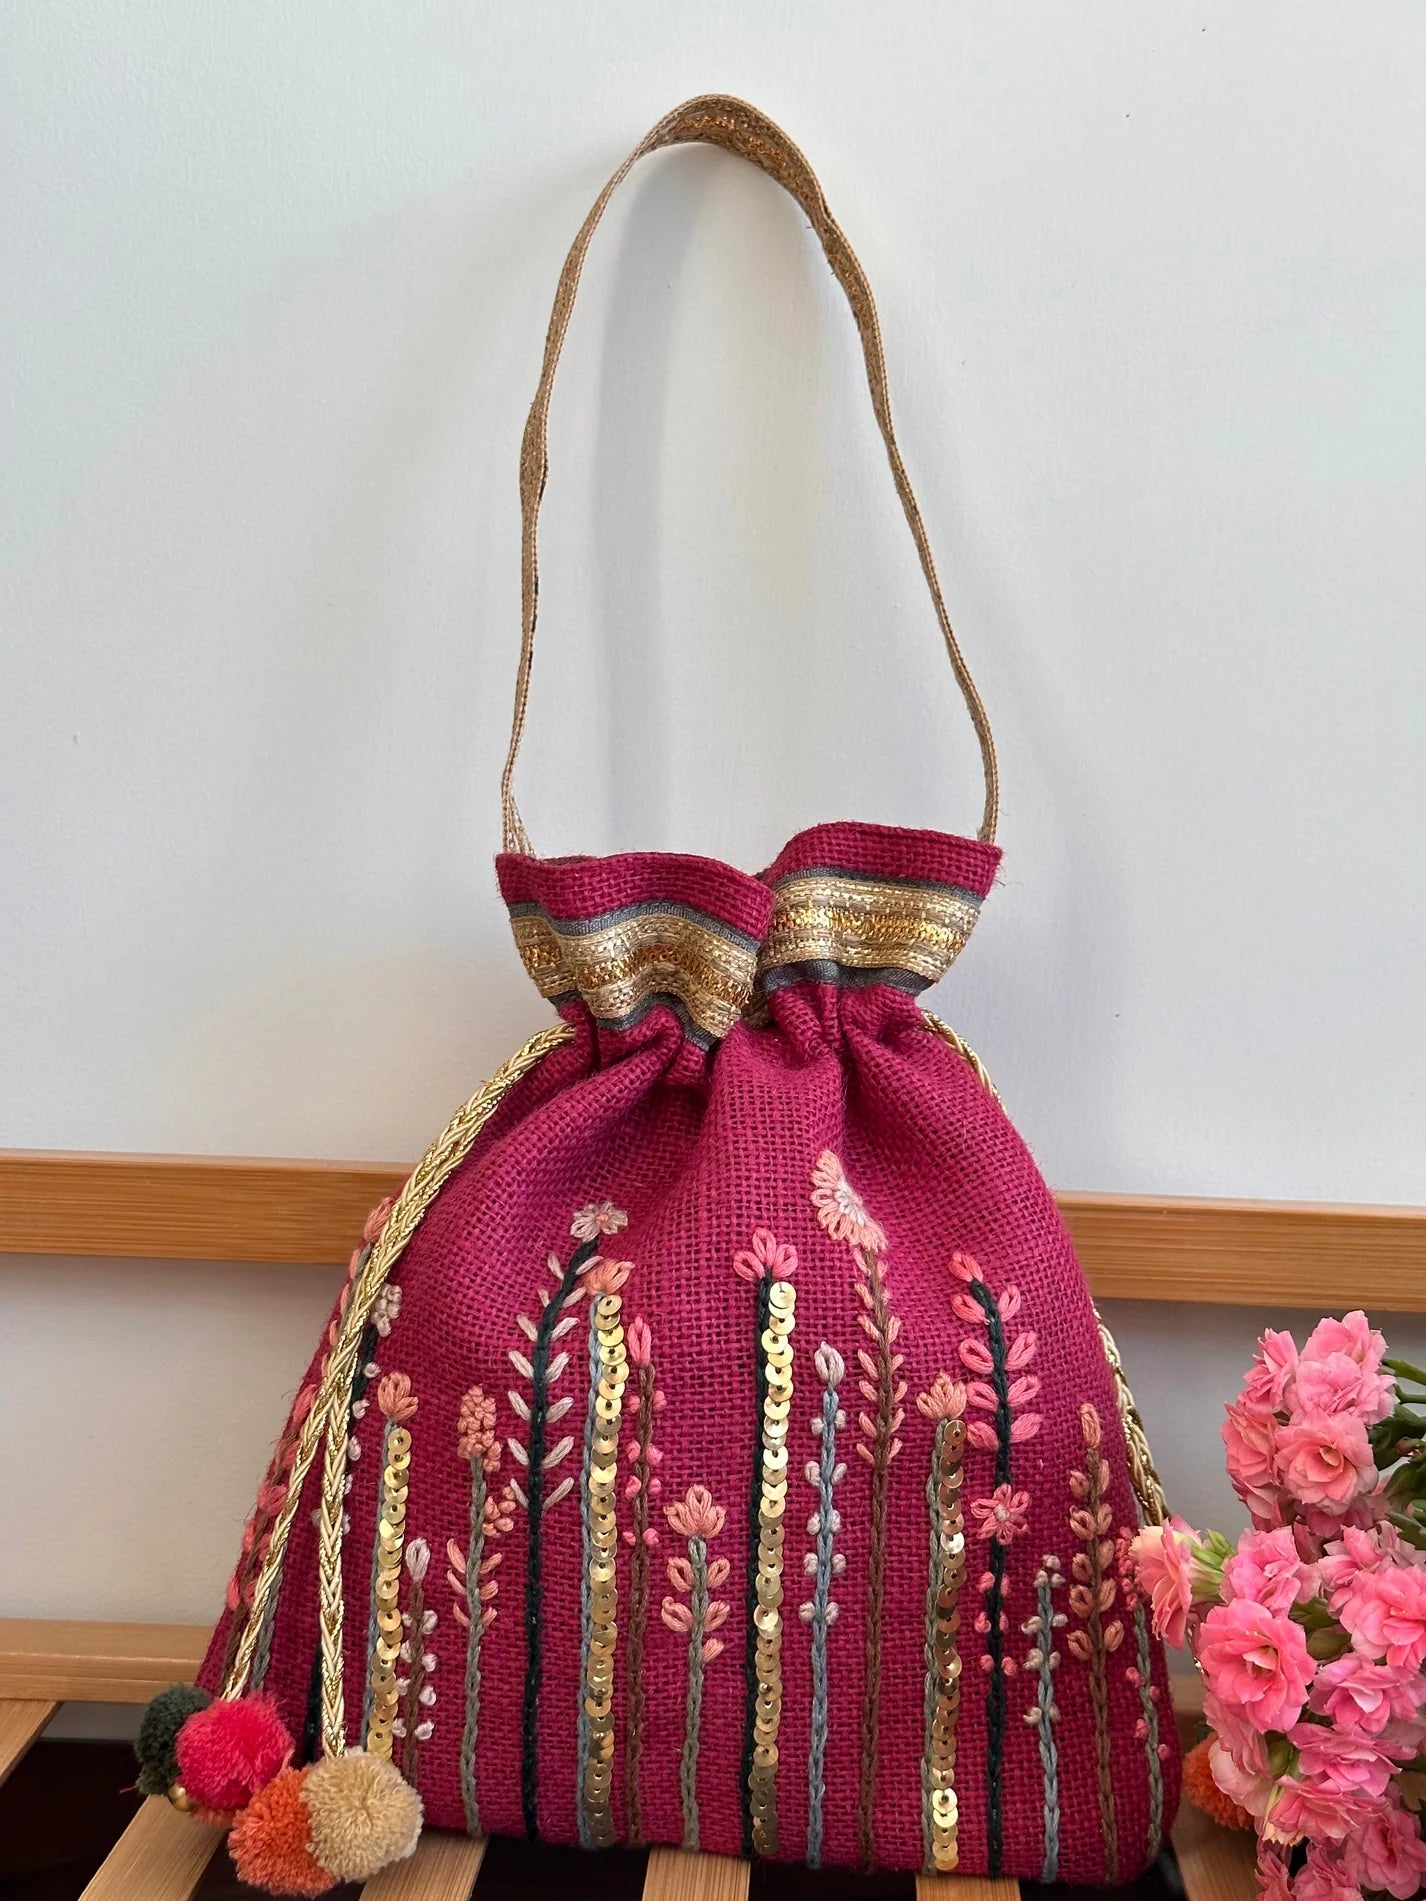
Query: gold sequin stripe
767	1718
831	917
390	1540
439	1162
621	962
943	1649
598	1764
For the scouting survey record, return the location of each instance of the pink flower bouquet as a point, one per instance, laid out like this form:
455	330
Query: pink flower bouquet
1311	1631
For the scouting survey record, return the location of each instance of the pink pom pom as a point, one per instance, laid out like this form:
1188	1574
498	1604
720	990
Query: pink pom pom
230	1750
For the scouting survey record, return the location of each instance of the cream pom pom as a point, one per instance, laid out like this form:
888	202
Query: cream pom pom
363	1814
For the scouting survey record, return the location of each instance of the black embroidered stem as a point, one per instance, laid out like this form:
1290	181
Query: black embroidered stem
534	1656
994	1646
755	1492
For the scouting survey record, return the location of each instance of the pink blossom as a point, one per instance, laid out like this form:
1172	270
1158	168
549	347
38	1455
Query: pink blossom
1242	1742
1268	1568
840	1209
1251	1788
1385	1612
1325	1459
639	1341
1346	1763
600	1217
1300	1808
1337	1384
1002	1516
1274	1365
695	1515
1357	1549
1256	1661
1250	1442
1322	1877
1363	1697
767	1257
1353	1335
1273	1884
606	1277
1163	1566
1386	1852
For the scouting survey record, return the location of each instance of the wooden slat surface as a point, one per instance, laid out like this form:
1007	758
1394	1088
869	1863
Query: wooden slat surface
95	1663
20	1723
160	1856
443	1868
1134	1247
672	1875
965	1888
1217	1864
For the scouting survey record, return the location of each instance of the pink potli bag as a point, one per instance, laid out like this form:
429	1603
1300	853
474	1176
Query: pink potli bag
715	1444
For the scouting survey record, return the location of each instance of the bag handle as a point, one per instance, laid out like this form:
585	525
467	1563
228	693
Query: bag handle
716	119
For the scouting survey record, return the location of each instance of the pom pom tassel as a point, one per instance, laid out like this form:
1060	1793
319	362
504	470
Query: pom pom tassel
158	1734
1204	1792
271	1841
362	1812
229	1750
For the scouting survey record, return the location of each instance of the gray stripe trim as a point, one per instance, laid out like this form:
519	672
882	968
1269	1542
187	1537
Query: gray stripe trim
850	977
650	907
693	1031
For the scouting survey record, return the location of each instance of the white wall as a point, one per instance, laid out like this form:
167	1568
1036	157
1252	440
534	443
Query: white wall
272	294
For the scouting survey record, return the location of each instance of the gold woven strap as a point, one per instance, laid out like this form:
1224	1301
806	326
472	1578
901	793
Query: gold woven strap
717	120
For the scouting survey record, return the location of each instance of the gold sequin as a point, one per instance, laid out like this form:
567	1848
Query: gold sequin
862	923
776	1343
597	1767
943	1661
390	1540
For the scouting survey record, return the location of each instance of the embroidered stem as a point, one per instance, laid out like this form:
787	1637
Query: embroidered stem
608	1376
586	1586
994	1592
697	1519
823	1563
940	1806
418	1695
1043	1659
472	1580
541	1377
1092	1596
398	1404
475	1630
1149	1722
641	1488
750	1644
884	1391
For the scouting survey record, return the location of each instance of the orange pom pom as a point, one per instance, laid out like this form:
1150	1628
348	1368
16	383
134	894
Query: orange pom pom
271	1844
1204	1792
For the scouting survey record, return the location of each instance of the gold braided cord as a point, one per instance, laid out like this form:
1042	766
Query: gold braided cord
445	1155
1148	1488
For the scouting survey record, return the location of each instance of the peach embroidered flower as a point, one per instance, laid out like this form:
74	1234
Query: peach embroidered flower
377	1219
639	1343
840	1209
1256	1662
766	1258
476	1430
831	1367
600	1217
395	1398
606	1277
695	1515
945	1398
1002	1516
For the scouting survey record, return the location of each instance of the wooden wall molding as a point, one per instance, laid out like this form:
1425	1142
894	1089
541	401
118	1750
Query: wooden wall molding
1134	1247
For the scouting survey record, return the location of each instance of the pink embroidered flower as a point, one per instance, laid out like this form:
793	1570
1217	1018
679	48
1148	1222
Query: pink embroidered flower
377	1219
1268	1568
766	1258
1163	1566
1250	1441
1274	1365
1345	1763
1251	1788
1325	1459
1002	1516
395	1398
1323	1878
831	1367
840	1209
606	1277
640	1345
945	1398
1363	1698
695	1515
600	1217
476	1429
1385	1613
1256	1662
1301	1808
1385	1852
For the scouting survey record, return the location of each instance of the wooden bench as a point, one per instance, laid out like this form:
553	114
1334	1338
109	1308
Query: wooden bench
227	1209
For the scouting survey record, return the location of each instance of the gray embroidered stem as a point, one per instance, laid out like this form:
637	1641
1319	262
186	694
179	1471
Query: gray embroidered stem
475	1612
820	1612
1148	1704
693	1711
1043	1660
586	1589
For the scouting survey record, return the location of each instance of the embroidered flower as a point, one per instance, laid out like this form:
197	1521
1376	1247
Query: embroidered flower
1002	1516
395	1398
600	1217
695	1515
476	1429
945	1398
606	1277
767	1257
840	1209
377	1219
639	1341
831	1367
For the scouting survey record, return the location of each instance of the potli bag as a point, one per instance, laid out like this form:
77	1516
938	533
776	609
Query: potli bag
715	1443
